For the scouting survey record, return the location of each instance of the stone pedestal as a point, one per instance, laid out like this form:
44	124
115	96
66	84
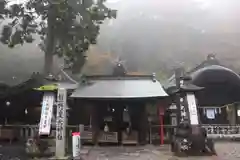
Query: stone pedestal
40	147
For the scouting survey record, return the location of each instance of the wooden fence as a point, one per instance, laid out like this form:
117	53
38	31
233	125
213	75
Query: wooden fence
215	131
23	132
223	131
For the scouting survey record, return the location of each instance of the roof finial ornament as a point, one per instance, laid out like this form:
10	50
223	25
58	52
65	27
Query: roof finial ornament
211	56
211	60
154	79
119	69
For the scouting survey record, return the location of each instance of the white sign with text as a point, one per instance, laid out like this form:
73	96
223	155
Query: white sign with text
192	107
46	114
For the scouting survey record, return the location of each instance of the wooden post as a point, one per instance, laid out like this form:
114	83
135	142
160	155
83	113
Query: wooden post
161	116
161	130
61	123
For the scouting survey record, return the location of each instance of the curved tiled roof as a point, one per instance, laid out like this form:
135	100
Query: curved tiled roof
112	87
214	74
210	66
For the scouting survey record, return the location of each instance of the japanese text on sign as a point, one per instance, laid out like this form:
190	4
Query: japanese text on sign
60	115
61	122
192	109
46	114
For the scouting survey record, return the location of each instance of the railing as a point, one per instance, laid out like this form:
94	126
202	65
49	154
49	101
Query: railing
23	132
215	131
223	131
26	131
154	136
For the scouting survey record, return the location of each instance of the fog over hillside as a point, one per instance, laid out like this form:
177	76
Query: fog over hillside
153	35
19	63
173	31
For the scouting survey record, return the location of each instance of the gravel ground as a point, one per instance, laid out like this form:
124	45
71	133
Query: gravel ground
226	151
12	152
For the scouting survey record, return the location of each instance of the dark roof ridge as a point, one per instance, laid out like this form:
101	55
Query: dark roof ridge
205	63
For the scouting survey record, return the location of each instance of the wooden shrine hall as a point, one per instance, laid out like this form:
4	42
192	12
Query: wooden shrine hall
114	107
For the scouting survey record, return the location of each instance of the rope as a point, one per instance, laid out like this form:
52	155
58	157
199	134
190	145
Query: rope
70	78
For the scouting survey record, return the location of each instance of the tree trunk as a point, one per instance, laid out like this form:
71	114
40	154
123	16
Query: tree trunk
79	63
48	60
48	63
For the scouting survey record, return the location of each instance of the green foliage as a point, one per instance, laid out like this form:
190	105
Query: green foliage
72	24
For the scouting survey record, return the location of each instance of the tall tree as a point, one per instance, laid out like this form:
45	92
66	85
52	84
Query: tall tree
66	27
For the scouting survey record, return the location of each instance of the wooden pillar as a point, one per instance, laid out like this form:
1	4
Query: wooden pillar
234	114
143	124
94	120
237	115
119	121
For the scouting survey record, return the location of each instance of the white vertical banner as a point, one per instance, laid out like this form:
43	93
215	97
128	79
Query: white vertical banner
192	107
61	122
46	113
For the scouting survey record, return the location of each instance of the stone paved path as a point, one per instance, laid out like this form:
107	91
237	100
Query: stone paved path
226	151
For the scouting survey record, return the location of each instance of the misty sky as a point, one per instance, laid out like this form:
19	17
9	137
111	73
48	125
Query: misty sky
154	31
171	28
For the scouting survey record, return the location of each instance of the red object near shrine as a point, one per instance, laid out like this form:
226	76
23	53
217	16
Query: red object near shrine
161	111
76	134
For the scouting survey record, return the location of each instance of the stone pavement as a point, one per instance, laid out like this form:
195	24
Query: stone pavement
124	153
226	151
